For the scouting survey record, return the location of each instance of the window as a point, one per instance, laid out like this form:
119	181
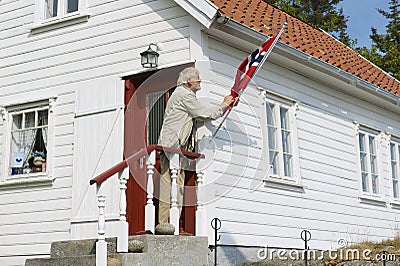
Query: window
51	14
281	141
367	143
55	8
29	138
395	164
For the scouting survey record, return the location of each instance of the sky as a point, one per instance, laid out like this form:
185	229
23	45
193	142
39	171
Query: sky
362	15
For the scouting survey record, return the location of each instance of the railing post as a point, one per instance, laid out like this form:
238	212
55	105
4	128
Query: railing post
101	245
174	211
122	240
201	218
150	211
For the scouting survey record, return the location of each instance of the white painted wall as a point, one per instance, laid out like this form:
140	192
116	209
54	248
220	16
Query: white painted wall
81	65
327	204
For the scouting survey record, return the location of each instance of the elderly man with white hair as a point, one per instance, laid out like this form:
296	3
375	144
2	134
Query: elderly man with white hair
181	111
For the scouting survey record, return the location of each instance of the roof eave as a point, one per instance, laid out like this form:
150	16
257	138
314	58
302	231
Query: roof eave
203	11
314	62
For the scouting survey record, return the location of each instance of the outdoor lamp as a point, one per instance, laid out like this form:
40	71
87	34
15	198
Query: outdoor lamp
149	58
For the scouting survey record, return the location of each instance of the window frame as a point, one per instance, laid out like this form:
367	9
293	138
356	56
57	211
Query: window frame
369	194
292	109
396	142
62	19
6	179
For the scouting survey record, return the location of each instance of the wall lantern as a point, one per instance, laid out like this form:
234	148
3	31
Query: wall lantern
149	58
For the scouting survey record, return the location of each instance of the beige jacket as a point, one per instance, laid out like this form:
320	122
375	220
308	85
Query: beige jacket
181	109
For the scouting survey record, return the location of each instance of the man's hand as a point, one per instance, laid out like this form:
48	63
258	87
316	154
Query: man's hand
228	100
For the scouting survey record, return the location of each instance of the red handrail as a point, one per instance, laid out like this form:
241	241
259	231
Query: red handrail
134	157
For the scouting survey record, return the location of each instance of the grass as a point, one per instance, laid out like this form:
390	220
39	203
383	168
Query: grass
391	246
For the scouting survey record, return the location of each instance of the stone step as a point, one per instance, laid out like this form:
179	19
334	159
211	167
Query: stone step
172	250
158	250
74	248
87	260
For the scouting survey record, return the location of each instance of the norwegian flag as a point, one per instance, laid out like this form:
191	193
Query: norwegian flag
247	69
249	66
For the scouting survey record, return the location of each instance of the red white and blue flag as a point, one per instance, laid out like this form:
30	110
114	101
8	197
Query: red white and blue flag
249	66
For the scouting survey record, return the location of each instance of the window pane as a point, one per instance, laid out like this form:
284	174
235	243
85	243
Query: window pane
373	164
286	141
374	184
371	144
394	170
395	189
22	141
51	8
72	6
270	114
363	160
29	120
273	160
284	118
17	121
287	160
43	118
272	143
364	182
392	151
361	141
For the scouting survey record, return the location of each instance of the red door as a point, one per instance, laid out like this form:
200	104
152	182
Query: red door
141	130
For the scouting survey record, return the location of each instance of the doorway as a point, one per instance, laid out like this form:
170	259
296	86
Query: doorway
146	96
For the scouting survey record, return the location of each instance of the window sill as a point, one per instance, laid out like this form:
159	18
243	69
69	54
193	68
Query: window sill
372	199
284	184
60	22
395	203
27	180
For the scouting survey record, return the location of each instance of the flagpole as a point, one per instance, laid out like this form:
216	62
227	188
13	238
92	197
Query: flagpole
255	73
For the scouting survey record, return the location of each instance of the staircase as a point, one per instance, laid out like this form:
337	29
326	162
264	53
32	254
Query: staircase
157	250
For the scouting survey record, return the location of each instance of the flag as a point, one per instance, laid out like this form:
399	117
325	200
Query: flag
249	66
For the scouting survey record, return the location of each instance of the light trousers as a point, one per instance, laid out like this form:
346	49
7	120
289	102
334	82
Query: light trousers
166	185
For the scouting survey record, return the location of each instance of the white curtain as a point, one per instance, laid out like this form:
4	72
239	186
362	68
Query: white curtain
44	135
24	141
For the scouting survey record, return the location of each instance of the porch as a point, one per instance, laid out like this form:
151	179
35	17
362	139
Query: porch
145	159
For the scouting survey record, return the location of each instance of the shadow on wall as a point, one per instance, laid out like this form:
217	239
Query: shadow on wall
228	254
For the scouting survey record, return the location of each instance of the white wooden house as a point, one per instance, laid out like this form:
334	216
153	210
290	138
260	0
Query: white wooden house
72	87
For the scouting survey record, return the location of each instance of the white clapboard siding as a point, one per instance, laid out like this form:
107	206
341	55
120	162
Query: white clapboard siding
327	204
80	66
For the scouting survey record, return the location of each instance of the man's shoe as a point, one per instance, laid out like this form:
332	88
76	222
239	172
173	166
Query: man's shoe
184	233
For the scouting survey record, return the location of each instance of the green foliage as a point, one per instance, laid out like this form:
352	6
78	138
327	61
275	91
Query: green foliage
318	13
385	51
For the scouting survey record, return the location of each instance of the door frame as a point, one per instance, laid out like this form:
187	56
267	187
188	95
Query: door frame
135	138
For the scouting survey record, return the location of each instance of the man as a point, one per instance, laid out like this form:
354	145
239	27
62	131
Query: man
182	108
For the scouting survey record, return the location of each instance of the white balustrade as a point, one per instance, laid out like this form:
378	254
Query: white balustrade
101	245
150	210
122	241
174	211
201	218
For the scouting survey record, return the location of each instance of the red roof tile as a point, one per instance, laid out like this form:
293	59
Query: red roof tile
265	18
